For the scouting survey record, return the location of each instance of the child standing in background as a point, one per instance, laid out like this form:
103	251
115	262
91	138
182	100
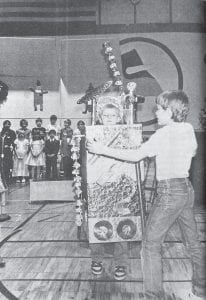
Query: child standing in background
53	126
51	151
23	129
110	115
65	149
8	137
38	132
81	126
36	158
21	148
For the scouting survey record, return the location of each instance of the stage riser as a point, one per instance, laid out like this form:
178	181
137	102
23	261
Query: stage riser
53	191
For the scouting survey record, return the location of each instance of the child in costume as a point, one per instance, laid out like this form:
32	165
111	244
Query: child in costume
110	115
173	145
21	148
65	149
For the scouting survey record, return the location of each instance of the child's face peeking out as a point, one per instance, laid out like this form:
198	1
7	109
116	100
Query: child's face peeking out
110	116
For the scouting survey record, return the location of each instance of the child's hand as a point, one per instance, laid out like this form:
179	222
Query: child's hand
94	147
20	157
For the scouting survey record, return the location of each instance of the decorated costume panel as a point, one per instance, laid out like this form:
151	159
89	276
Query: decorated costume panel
113	209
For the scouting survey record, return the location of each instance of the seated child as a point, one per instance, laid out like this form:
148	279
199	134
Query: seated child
51	151
21	148
173	145
110	115
65	149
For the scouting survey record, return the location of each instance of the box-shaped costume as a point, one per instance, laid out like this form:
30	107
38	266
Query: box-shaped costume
113	206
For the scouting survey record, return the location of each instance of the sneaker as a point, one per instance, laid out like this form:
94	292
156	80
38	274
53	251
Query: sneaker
96	268
120	273
18	181
23	180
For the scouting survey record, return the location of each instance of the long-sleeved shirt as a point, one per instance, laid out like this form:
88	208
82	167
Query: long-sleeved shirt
52	146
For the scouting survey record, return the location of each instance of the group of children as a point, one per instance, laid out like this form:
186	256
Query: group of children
173	144
27	153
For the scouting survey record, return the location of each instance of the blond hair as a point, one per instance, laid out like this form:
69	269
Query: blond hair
177	101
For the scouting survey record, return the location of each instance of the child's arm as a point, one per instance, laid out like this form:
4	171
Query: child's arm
70	134
41	149
46	150
126	155
57	147
16	152
14	149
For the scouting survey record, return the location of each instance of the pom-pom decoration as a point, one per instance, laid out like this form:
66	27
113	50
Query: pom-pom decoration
76	165
77	178
108	51
79	203
76	172
77	184
74	156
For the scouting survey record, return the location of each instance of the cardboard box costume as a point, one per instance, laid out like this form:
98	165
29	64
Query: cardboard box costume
113	209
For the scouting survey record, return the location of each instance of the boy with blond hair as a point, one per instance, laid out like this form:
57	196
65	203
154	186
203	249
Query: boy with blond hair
173	145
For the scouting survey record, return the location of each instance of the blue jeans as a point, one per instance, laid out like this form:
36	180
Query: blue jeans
174	202
119	251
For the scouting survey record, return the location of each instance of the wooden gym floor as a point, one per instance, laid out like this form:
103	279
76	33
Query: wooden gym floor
44	259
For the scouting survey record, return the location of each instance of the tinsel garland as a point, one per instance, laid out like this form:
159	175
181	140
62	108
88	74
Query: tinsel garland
112	63
77	178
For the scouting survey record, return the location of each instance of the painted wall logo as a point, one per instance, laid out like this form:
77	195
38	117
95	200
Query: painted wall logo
154	68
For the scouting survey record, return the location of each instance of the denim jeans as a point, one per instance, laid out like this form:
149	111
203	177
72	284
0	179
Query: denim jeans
174	202
119	251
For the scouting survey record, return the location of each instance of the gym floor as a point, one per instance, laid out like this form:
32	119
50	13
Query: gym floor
45	260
